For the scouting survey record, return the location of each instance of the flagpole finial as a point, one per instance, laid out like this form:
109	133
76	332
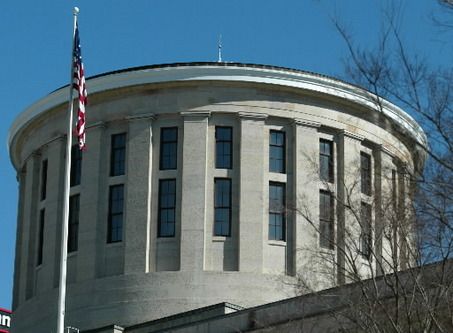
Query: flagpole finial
76	10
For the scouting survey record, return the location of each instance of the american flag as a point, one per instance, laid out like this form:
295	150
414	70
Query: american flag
79	84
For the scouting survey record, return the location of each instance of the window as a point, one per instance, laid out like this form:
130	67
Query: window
223	147
76	165
73	223
277	211
326	161
118	154
40	237
167	208
44	179
365	173
222	207
394	191
168	148
277	151
326	220
365	233
115	218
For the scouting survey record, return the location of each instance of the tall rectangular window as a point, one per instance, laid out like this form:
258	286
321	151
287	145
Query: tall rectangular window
73	223
277	227
40	237
167	208
222	207
76	165
366	230
326	164
44	179
365	173
277	149
326	220
118	154
115	217
168	148
394	190
223	147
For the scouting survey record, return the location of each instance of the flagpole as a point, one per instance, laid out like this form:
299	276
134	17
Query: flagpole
64	223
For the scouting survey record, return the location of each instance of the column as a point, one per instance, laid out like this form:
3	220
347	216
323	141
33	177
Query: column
252	214
306	189
21	176
386	212
349	194
193	187
92	204
32	196
138	200
49	273
379	206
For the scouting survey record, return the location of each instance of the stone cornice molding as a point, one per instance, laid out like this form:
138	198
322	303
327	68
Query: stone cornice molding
195	114
142	116
306	123
252	115
353	136
240	73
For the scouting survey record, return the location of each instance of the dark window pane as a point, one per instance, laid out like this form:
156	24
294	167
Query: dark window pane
222	207
365	173
41	237
116	210
168	148
277	223
73	223
277	151
167	208
326	220
76	165
118	154
366	232
326	165
44	179
224	147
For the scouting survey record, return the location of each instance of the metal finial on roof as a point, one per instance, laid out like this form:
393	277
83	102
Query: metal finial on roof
220	49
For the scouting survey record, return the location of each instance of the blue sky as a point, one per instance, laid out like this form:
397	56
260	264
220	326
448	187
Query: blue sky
36	44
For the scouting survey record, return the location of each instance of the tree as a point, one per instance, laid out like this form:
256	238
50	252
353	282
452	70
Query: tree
402	264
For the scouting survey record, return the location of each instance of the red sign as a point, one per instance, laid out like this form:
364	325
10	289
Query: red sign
5	320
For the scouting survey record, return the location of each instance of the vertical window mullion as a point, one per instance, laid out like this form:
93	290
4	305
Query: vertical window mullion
326	220
76	165
44	167
277	151
116	214
224	147
365	173
41	237
73	223
118	154
277	204
366	230
222	207
326	161
167	208
168	148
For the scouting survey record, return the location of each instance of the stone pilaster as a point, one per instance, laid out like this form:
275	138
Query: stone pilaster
138	201
32	196
92	203
306	166
348	195
193	187
252	215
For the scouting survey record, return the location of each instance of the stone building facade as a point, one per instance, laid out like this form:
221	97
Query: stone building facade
189	193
